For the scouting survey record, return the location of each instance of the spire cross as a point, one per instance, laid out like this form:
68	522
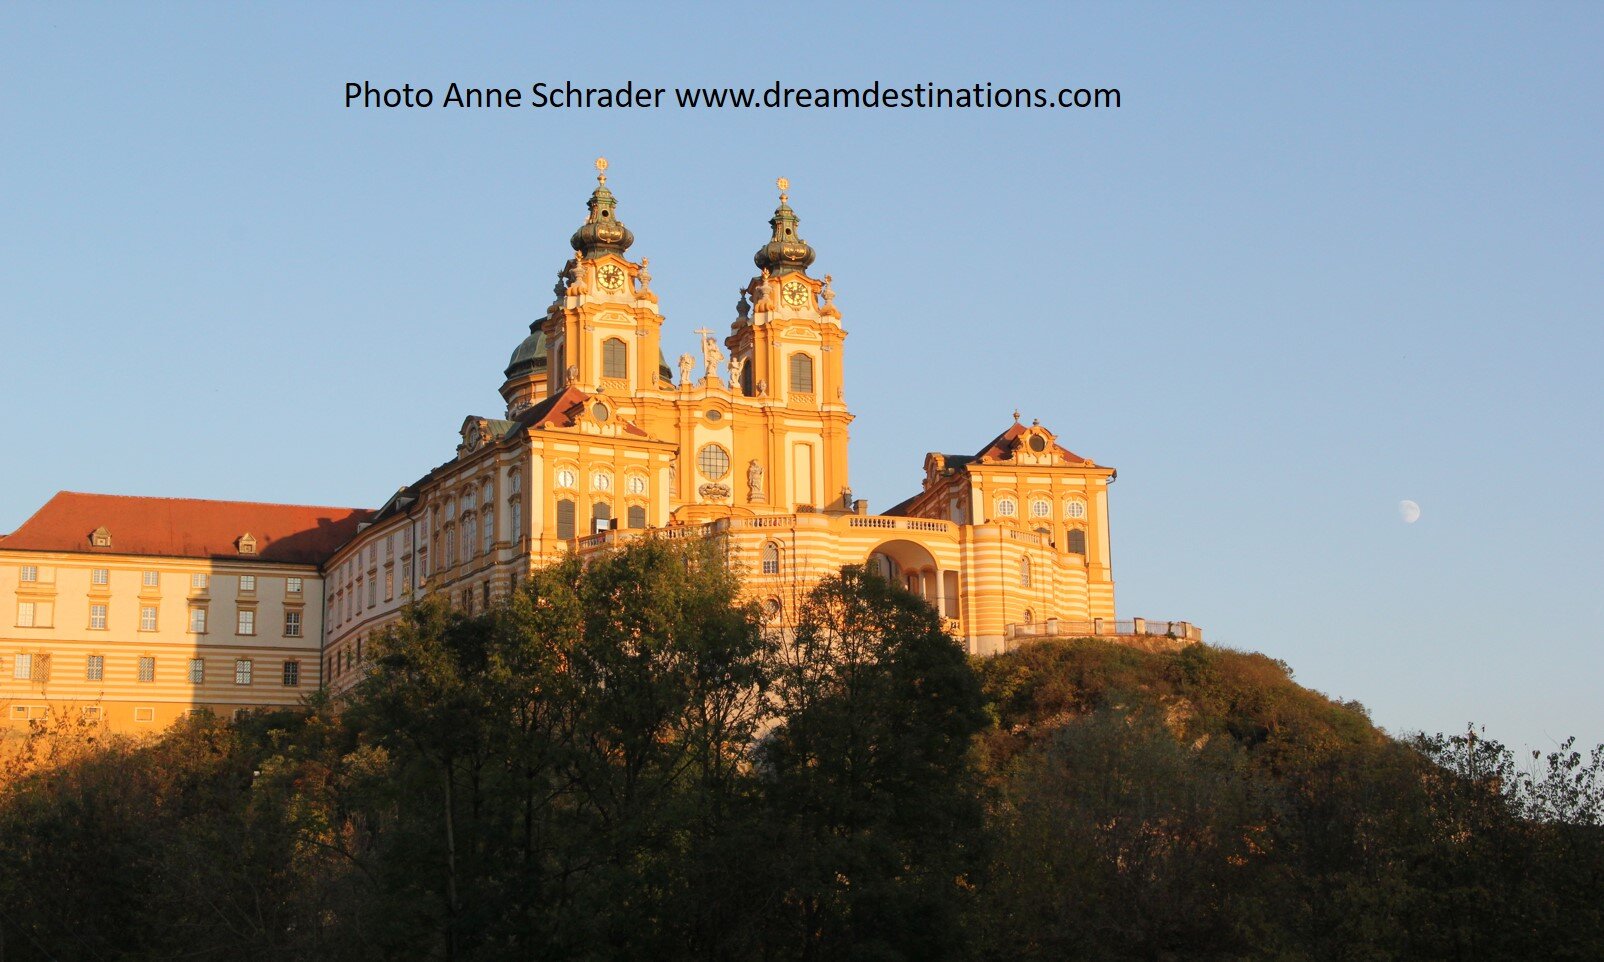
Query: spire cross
601	170
784	186
704	332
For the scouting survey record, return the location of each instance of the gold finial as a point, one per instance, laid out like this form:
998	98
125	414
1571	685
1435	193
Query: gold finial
601	170
1016	415
784	186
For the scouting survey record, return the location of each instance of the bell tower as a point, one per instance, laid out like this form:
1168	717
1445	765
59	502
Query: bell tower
603	332
787	340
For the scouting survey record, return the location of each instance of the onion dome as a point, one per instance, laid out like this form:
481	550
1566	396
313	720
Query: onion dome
602	232
530	355
786	252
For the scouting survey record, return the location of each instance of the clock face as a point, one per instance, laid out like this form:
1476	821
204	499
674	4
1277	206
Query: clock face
794	293
611	277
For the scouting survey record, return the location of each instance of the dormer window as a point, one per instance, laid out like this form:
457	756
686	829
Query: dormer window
247	543
100	538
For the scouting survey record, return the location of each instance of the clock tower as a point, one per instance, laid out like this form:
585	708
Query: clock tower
787	338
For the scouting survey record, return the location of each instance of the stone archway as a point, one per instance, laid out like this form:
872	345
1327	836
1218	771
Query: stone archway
911	565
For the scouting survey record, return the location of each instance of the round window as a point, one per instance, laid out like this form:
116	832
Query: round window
600	412
566	478
1076	509
1040	509
1006	507
1038	443
713	461
715	415
601	481
637	484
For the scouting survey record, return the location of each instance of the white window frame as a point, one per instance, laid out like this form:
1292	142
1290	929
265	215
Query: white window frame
100	576
197	671
245	621
242	671
150	579
293	586
27	614
97	617
292	623
95	668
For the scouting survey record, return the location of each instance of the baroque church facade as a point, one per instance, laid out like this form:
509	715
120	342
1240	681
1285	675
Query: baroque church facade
600	441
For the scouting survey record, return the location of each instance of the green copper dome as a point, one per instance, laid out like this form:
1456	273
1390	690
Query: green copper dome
602	232
786	252
530	355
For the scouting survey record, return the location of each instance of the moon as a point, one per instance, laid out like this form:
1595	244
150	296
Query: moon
1409	512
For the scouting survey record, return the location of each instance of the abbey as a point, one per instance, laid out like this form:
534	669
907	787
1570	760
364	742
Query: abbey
140	609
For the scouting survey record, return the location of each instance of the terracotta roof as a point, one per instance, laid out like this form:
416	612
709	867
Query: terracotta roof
187	528
1001	446
558	411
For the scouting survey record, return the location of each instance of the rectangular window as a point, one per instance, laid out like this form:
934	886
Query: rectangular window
99	576
373	592
565	519
97	617
147	618
292	674
147	668
96	668
242	671
292	586
389	546
25	614
91	711
22	667
144	714
197	671
517	520
489	529
247	622
197	581
150	579
389	584
197	620
30	572
423	565
247	582
41	668
292	624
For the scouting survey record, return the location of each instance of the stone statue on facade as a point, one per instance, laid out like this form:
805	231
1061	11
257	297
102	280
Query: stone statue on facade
686	362
737	365
711	355
754	482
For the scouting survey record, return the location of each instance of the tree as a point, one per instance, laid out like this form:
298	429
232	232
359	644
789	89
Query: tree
868	777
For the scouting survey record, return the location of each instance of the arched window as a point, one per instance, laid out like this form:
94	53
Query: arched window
1077	541
801	373
771	559
600	511
517	508
451	545
489	526
746	378
637	516
565	518
1030	617
1024	572
467	538
615	358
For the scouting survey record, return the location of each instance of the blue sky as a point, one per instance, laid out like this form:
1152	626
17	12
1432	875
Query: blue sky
1322	259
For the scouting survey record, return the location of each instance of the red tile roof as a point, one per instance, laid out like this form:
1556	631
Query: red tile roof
1001	446
187	528
561	411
